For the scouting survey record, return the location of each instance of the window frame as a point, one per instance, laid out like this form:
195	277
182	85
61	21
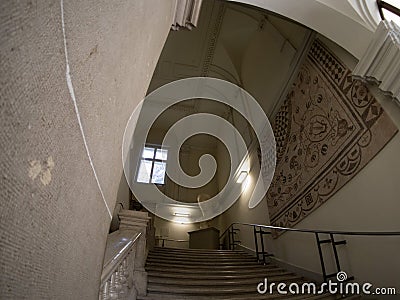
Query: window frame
152	160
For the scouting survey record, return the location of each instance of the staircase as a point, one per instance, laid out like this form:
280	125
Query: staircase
214	274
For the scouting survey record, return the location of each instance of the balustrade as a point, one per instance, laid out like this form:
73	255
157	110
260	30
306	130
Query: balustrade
123	276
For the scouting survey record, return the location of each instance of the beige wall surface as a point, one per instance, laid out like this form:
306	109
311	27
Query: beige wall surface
178	231
122	198
369	202
173	231
53	218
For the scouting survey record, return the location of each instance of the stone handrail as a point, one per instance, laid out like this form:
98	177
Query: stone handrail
123	275
118	268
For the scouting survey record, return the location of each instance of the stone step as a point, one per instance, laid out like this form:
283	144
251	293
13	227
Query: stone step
211	272
198	251
254	265
212	263
203	282
230	289
224	276
179	260
200	257
185	274
246	296
192	249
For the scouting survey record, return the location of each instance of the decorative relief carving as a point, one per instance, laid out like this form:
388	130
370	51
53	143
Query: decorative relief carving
329	128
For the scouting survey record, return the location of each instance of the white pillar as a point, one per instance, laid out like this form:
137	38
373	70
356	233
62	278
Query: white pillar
380	64
187	14
138	221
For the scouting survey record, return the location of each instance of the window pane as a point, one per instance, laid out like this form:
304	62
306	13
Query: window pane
158	173
161	154
148	152
144	171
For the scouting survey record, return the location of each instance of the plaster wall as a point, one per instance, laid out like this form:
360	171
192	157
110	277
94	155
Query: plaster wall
369	202
55	211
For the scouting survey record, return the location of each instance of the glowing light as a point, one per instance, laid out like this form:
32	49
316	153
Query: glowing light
246	183
242	176
181	214
181	220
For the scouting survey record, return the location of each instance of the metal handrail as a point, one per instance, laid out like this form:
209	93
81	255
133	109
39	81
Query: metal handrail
370	233
384	5
259	233
226	230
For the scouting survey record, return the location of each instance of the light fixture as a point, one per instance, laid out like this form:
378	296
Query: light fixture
181	214
242	176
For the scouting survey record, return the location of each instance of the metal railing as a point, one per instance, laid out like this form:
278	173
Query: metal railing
260	230
384	5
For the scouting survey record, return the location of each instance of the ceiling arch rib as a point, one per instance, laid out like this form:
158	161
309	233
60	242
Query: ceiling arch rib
340	21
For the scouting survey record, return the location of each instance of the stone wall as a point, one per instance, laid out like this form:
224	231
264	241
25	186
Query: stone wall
61	135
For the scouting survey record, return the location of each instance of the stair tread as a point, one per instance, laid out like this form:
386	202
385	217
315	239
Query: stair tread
199	254
203	274
217	276
206	266
226	282
208	290
204	257
204	263
185	250
212	271
158	296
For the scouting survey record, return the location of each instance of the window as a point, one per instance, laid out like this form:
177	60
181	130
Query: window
152	165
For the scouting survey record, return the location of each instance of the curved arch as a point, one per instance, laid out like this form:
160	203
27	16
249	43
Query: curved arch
344	22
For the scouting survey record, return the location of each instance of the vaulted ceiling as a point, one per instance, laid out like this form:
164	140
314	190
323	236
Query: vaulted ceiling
246	46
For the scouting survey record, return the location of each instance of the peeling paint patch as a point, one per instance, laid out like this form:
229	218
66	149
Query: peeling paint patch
43	171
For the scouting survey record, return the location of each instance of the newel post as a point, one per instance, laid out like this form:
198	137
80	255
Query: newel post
139	221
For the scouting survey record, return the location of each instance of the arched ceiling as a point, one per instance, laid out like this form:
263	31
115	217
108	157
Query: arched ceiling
349	23
237	43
